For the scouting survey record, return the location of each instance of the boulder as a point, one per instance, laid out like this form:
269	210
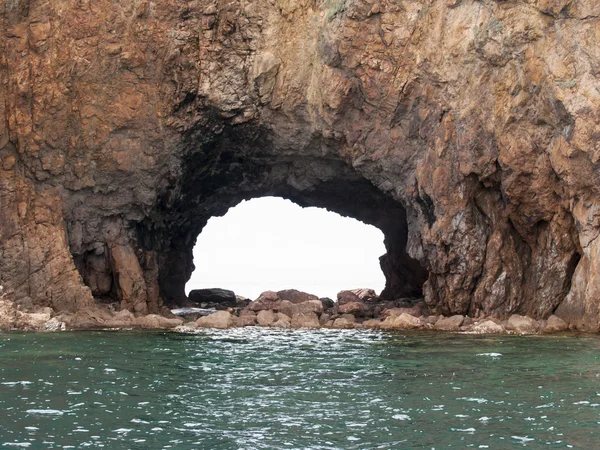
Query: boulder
346	321
324	318
246	318
327	303
283	321
314	306
268	296
241	302
296	296
365	293
266	318
521	324
432	319
266	300
305	320
156	321
289	308
452	323
555	324
488	327
357	309
402	322
417	310
372	323
344	297
220	319
264	305
216	296
124	316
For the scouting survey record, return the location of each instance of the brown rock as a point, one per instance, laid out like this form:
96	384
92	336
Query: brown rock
365	293
358	309
344	322
488	327
295	296
283	321
266	318
344	297
521	324
220	319
402	322
264	305
156	127
305	320
290	308
159	322
555	324
246	318
372	323
268	296
324	318
452	323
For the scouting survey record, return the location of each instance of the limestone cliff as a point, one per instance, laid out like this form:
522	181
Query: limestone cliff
468	131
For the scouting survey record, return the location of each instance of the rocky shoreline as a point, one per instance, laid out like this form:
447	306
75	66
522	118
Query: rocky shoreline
289	309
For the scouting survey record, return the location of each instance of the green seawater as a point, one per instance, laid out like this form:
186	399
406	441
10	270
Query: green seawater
258	388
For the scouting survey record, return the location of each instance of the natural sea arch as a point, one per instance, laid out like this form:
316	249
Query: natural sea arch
150	265
273	244
240	166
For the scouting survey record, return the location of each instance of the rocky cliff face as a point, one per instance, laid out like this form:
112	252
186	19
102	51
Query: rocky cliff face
468	131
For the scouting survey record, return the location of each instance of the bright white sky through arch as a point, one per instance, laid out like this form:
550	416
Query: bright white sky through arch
271	244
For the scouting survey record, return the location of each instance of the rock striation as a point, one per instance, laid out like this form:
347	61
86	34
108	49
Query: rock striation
467	131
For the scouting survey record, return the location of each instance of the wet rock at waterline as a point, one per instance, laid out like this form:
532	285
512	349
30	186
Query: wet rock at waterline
469	140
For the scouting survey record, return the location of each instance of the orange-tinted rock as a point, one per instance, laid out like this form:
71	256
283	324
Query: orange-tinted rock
344	297
305	320
357	309
470	140
295	296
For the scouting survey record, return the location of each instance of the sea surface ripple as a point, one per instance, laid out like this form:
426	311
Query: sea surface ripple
256	388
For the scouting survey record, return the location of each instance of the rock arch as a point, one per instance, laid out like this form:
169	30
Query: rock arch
124	127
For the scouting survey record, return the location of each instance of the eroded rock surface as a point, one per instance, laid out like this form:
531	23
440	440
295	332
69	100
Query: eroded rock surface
467	131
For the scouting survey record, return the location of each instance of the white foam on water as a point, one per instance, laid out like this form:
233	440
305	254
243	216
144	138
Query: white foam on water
122	430
139	421
17	444
50	412
473	399
110	370
490	354
583	402
16	383
484	419
352	438
464	430
401	417
522	438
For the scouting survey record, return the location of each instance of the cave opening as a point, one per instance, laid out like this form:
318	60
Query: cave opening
270	243
146	264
